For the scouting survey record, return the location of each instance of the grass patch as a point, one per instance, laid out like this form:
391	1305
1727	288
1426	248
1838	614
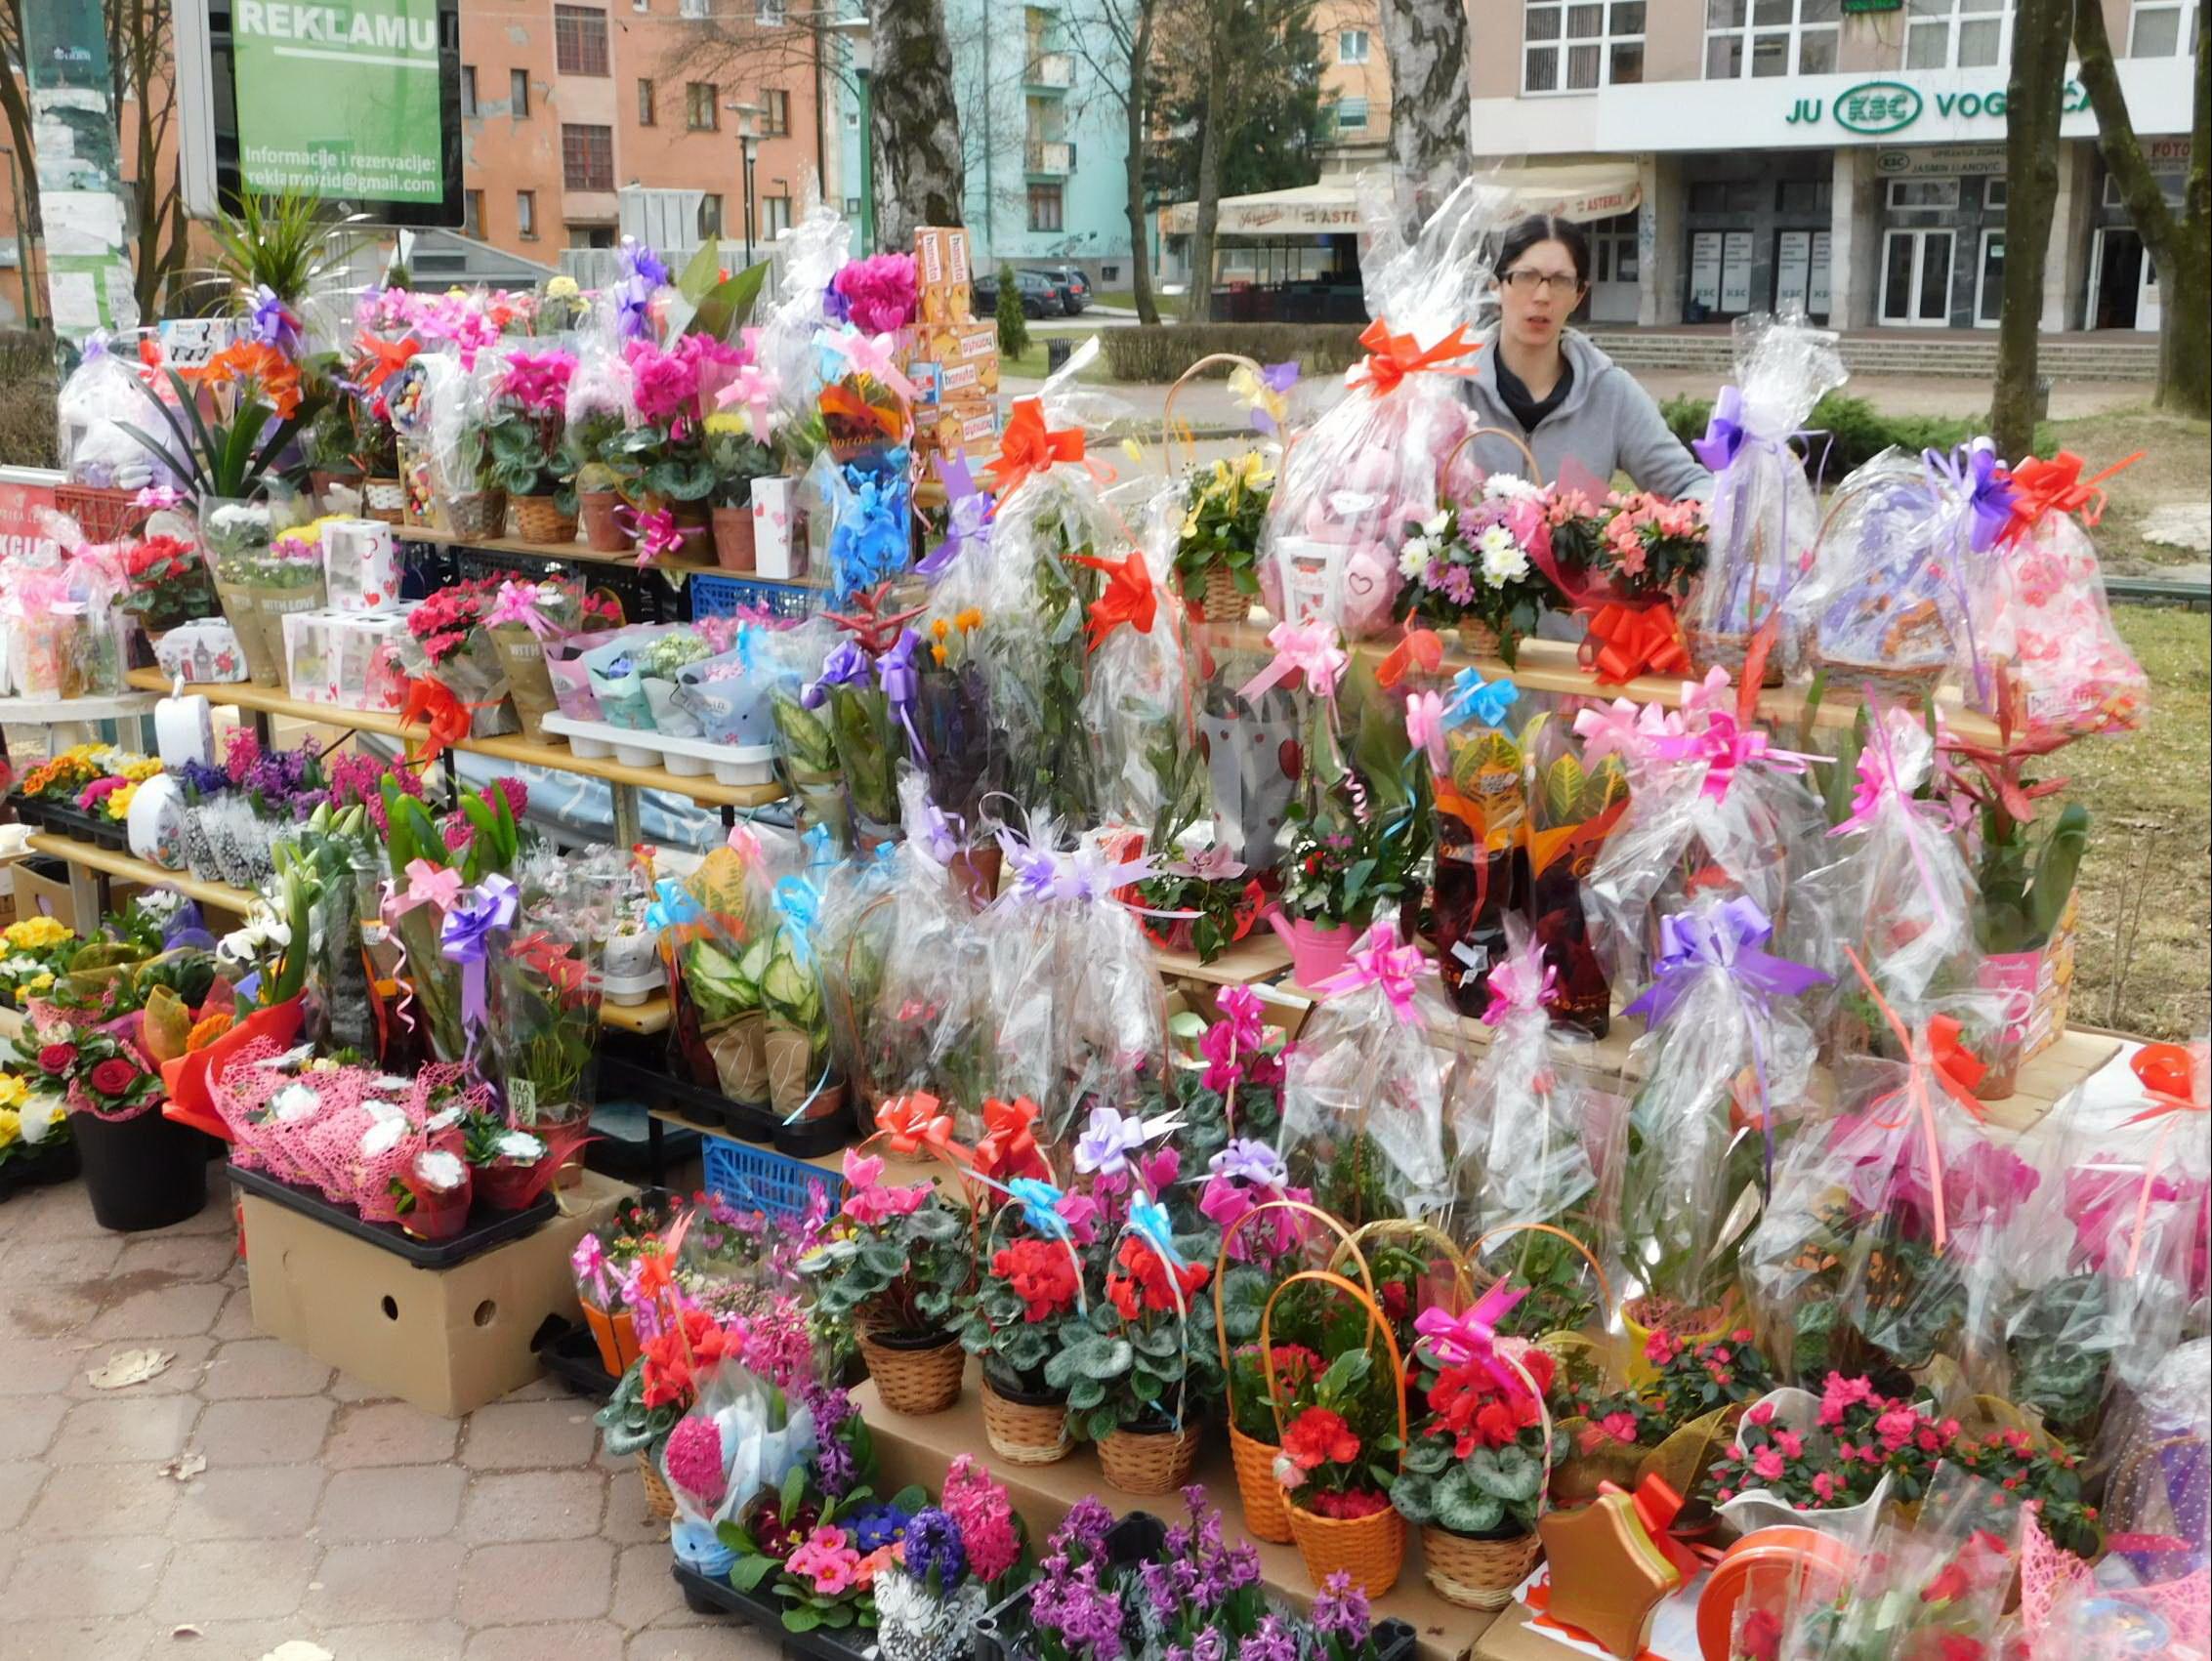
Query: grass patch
2172	469
2146	921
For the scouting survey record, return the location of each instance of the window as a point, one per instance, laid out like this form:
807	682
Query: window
1762	38
518	93
1725	196
472	212
1045	208
1351	115
1994	196
2170	185
2156	30
769	14
587	157
700	112
1964	34
1352	46
710	216
775	112
695	9
853	207
527	215
590	236
579	40
1802	196
1110	273
1581	45
1910	193
468	89
775	216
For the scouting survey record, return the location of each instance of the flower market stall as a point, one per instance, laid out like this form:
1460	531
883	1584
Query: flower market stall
1539	1011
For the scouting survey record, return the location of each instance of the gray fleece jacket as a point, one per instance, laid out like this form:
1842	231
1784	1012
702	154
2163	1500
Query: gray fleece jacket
1606	422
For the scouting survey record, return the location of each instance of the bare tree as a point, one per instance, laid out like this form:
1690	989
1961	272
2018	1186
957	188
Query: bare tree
914	124
1426	44
1114	40
2180	244
140	60
14	99
2034	94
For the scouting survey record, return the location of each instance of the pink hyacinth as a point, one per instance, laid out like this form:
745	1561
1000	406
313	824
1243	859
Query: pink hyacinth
695	1462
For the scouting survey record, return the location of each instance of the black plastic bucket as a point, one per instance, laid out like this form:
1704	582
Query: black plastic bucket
144	1173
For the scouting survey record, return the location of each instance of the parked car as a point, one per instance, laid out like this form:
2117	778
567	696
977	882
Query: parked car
1069	283
1038	299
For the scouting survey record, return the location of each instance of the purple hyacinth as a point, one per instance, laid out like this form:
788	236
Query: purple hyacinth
1085	1614
1212	1644
1244	1566
1339	1609
1271	1640
1086	1525
934	1547
1159	1588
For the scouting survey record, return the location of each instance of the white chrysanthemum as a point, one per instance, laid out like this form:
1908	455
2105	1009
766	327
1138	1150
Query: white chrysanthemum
1438	524
1503	560
1510	487
1413	558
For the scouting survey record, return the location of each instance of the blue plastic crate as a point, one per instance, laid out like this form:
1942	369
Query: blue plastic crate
713	594
758	1178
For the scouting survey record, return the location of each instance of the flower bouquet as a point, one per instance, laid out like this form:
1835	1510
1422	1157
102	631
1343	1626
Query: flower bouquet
458	677
436	874
36	1144
892	1268
545	993
521	618
605	1263
1470	568
715	928
1137	694
857	680
37	951
267	564
960	742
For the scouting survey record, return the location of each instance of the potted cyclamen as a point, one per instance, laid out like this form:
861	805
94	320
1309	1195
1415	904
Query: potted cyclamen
1138	1365
524	434
1475	1473
1028	1291
737	459
891	1266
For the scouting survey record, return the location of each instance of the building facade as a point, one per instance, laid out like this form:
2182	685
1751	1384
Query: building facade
1820	153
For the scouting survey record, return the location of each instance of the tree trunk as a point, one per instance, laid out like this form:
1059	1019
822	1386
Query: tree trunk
2180	246
2033	95
14	102
1199	301
1137	106
1426	44
914	121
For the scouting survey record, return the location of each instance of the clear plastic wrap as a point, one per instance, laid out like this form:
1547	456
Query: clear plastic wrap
790	660
717	928
1369	466
810	256
2039	616
1727	1055
1765	518
2157	1448
1365	1091
103	397
545	994
1138	697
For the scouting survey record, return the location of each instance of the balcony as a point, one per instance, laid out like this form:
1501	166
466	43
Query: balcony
1053	69
1050	158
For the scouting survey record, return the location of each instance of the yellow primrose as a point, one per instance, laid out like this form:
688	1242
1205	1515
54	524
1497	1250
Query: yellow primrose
36	934
11	1126
117	804
40	982
729	421
14	1092
138	773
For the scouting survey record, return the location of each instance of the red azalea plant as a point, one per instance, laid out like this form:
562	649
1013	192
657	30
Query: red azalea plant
444	622
1339	1432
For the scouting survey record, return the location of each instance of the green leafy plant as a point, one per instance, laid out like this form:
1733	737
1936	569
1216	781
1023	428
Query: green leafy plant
737	459
1223	509
889	1270
288	243
223	457
1143	1357
1012	323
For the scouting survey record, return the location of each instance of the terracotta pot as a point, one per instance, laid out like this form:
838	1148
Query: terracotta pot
618	1336
1477	1574
1025	1427
1148	1462
976	869
1371	1550
603	533
916	1373
733	538
1267	1514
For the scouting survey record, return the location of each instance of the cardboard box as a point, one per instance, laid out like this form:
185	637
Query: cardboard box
447	1340
940	257
956	428
44	891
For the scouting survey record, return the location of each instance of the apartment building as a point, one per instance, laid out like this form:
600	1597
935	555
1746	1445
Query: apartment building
1846	155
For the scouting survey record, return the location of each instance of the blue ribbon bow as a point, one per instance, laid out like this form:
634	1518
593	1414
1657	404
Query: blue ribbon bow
1040	1201
1476	699
1148	1219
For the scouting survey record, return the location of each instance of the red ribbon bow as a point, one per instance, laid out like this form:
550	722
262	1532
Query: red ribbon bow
1420	649
1392	358
2173	1078
380	359
1657	1505
1955	1069
912	1125
1027	446
1626	642
1129	596
446	718
2055	486
1008	1147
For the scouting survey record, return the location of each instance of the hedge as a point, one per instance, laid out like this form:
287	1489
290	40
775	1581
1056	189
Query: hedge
1162	353
1847	432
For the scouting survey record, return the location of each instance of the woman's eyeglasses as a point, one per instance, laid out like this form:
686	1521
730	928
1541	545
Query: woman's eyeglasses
1525	281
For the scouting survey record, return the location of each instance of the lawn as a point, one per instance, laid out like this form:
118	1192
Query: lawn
2145	922
2172	469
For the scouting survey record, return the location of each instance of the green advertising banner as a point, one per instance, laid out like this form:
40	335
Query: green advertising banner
341	101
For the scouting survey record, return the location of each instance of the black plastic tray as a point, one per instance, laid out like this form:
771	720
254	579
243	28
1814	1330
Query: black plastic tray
810	1138
706	1597
487	1228
570	1353
38	1170
63	818
695	1103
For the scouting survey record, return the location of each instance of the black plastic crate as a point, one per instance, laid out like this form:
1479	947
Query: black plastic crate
569	1351
43	1169
704	1596
486	1230
697	1104
66	818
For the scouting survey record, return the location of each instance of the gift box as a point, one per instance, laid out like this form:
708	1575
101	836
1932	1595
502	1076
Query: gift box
360	565
956	427
347	659
205	650
779	529
942	274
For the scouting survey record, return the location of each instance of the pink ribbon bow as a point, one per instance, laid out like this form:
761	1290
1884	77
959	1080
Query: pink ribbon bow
428	884
1425	729
655	532
1471	1338
520	603
1301	648
1522	980
756	388
1629	730
1377	961
872	355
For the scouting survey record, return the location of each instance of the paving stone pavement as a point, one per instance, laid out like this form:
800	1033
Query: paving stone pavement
325	1513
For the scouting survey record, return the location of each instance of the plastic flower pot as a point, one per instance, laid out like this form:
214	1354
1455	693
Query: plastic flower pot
144	1173
508	1184
437	1214
616	1335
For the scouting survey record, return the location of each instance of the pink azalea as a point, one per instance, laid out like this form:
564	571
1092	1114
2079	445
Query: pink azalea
1895	1427
1824	1484
1760	1413
1621	1427
1767	1464
1791	1443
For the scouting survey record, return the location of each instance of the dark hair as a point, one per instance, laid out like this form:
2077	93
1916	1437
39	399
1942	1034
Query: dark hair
1526	234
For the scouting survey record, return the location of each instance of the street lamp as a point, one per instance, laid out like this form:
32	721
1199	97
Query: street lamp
857	33
749	119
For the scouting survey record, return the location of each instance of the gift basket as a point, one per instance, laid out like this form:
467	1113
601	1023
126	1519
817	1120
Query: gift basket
68	619
108	465
1764	518
1371	464
1137	699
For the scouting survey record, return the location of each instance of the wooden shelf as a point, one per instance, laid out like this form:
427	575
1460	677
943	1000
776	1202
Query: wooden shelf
1260	956
136	870
650	1016
57	711
582	553
521	751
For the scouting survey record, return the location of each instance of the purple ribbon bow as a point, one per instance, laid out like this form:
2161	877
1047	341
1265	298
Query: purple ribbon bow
1724	432
464	937
1729	937
847	665
901	685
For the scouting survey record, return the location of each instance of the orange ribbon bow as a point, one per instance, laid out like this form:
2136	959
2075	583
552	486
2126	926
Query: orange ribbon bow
380	359
1420	649
1008	1147
1129	596
2173	1077
1027	446
2055	486
446	718
1626	642
1392	358
911	1125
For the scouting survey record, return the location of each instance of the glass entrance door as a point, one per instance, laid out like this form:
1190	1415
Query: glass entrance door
1916	278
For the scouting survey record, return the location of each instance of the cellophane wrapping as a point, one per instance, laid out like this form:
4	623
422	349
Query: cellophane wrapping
1889	1242
1884	601
2156	1447
2039	617
2112	1260
1365	1096
1764	515
715	945
103	397
806	745
68	633
545	985
1137	702
816	247
1369	465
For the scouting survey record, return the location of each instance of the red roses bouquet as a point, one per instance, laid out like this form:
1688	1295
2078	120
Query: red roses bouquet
102	1070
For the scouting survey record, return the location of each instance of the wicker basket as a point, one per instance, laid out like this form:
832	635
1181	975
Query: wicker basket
1477	639
1267	1515
474	513
916	1381
1895	683
103	513
1148	1462
1024	1433
1371	1550
660	1499
384	499
1708	647
1223	600
1477	1574
539	519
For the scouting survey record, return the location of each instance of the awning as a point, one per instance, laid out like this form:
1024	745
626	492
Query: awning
1576	191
